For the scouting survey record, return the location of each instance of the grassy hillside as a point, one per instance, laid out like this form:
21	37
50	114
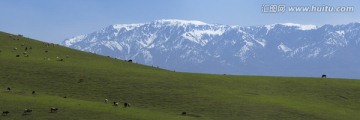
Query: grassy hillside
87	79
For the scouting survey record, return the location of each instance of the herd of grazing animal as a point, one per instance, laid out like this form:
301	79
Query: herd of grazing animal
29	111
54	109
126	104
26	111
47	45
27	48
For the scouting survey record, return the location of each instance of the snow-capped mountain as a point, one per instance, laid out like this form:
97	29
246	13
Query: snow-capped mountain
193	46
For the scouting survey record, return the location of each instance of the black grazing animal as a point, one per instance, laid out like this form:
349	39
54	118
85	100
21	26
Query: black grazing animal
323	76
17	55
53	109
130	61
5	113
183	113
27	111
8	88
126	104
33	92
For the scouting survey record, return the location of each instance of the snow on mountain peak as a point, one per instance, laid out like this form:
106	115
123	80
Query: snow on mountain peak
73	40
284	48
299	26
174	22
269	27
126	26
197	35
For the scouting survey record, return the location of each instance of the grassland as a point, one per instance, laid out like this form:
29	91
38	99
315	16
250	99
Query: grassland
86	79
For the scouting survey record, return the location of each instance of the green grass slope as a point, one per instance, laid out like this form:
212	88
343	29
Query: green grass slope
155	94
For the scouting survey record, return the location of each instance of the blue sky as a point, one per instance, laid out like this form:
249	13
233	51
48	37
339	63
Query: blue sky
56	20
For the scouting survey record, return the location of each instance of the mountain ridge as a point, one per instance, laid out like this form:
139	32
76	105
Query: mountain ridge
284	49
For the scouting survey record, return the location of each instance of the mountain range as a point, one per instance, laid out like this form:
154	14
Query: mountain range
284	49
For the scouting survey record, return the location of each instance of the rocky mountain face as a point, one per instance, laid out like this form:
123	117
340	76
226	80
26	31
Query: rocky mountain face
193	46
